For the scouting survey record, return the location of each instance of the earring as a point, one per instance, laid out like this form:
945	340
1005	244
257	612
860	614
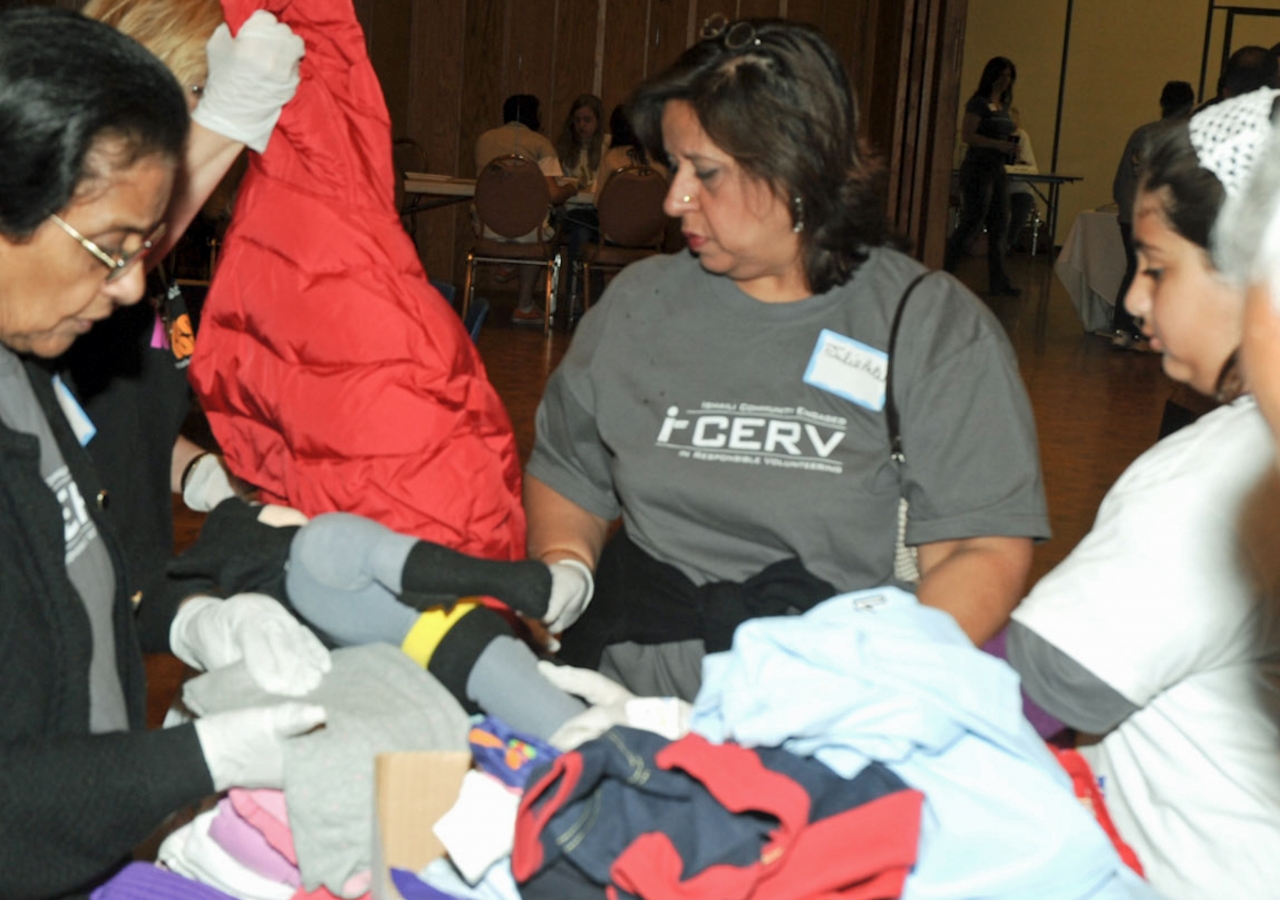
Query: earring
797	210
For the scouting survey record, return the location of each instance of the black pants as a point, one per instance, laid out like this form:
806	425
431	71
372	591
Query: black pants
1120	318
985	200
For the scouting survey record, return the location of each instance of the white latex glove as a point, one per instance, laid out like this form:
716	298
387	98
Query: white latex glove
245	747
611	704
251	77
206	484
280	516
282	655
571	590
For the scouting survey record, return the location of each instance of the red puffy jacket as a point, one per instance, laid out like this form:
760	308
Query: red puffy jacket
333	375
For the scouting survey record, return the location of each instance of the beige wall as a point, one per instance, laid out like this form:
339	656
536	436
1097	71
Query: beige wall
1121	53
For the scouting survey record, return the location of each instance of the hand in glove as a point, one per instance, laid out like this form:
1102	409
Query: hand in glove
611	704
571	590
282	655
251	77
245	747
205	484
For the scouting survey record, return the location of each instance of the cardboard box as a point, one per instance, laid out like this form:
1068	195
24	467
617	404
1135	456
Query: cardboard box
412	791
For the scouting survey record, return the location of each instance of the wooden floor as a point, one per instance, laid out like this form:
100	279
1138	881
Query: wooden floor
1096	407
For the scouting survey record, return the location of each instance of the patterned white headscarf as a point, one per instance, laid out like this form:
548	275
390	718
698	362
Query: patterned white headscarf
1229	136
1246	159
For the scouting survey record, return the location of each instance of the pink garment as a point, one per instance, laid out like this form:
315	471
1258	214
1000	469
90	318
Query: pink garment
242	840
265	810
322	894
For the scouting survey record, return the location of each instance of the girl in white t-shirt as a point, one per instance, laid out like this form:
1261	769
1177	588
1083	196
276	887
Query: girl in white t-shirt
1153	635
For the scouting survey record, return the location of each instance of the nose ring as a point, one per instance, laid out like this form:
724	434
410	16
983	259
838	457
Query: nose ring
685	199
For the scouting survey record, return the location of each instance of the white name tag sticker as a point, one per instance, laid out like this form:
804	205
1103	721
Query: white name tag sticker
81	426
849	369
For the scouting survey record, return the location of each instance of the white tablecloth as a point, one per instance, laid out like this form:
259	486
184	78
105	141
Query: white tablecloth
1091	266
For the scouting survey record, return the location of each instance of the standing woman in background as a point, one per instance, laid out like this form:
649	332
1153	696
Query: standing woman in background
987	129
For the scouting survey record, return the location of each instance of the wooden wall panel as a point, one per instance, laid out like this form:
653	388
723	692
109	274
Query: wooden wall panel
437	38
624	49
760	9
668	33
531	42
574	63
484	84
810	11
466	56
389	52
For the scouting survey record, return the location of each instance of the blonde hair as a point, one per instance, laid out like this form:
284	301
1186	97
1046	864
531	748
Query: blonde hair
176	31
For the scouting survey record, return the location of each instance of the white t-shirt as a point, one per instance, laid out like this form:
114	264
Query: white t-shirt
1155	603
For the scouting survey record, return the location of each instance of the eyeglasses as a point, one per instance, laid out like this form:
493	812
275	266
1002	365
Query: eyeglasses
734	35
119	265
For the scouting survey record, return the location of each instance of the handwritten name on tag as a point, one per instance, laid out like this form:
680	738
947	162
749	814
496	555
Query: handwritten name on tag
849	369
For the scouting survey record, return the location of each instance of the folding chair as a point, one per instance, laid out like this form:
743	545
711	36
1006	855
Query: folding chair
632	223
512	200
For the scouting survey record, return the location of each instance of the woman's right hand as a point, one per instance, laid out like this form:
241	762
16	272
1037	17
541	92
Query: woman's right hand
245	747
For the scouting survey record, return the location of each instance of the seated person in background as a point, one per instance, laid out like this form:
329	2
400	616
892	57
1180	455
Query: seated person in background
625	149
1152	636
1022	199
581	142
518	135
95	130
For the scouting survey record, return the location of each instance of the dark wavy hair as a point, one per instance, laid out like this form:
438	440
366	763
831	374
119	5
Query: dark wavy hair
567	144
621	134
67	84
780	103
991	73
1192	195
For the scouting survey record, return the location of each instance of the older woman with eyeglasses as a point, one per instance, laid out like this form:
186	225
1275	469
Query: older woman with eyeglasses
93	127
728	402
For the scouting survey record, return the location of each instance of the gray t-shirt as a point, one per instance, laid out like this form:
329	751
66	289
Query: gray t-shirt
88	562
730	434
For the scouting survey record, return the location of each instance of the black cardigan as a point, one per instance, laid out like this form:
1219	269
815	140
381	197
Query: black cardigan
72	804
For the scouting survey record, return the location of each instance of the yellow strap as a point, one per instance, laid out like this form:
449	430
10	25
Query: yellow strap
427	633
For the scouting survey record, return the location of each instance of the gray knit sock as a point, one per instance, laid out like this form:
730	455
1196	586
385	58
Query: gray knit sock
505	682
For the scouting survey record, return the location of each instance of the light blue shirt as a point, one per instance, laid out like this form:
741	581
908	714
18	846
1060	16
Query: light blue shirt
874	675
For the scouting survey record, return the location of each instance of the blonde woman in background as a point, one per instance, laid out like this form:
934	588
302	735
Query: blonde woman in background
132	385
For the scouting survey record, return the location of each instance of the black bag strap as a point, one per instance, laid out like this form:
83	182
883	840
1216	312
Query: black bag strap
890	407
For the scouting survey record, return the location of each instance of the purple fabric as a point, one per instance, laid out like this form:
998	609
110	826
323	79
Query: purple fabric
249	846
1049	728
143	881
411	887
